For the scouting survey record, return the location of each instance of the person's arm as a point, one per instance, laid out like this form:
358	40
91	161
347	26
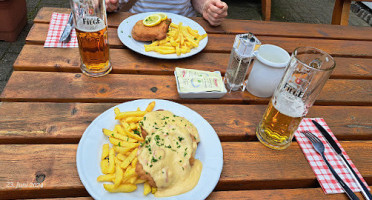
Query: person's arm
214	11
112	5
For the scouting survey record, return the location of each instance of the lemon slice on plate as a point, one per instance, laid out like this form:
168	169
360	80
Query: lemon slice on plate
163	16
152	20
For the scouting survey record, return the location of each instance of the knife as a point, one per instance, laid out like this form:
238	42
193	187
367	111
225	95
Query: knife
65	37
338	150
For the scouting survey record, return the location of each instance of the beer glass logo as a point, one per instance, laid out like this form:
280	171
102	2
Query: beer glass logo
294	85
91	21
90	24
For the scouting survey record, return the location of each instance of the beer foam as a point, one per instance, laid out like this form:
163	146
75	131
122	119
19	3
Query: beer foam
90	24
288	105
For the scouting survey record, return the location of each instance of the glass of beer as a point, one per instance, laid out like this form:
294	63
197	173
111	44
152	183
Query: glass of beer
90	22
307	72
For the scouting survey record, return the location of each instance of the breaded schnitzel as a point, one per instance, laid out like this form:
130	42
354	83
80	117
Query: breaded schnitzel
166	159
141	32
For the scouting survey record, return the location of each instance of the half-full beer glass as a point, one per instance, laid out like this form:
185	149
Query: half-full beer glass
305	76
91	30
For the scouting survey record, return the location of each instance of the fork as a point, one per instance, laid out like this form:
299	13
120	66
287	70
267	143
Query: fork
319	147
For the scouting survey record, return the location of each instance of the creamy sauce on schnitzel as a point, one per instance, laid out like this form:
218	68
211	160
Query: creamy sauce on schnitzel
170	144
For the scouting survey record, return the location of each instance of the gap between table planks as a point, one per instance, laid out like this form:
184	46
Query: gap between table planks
259	28
58	123
127	61
76	87
223	43
55	167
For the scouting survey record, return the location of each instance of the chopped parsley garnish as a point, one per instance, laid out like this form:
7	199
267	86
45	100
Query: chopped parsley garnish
157	137
154	159
119	144
180	138
136	132
144	118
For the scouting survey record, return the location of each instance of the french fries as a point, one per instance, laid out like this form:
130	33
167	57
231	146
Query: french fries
180	39
118	163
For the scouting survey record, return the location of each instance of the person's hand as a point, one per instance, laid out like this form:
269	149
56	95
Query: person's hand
112	5
214	11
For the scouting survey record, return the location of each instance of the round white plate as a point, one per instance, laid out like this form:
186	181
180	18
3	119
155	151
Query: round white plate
88	155
125	35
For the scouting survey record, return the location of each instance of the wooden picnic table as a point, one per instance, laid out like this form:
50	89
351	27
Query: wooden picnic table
48	103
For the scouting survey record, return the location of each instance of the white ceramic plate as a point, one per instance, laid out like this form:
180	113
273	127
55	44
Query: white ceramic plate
88	155
125	35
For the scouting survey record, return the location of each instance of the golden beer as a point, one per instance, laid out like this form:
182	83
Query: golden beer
278	125
93	47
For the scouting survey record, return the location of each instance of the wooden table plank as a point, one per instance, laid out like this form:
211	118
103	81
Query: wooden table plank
127	61
58	123
76	87
295	194
123	61
259	28
308	193
39	137
223	43
245	167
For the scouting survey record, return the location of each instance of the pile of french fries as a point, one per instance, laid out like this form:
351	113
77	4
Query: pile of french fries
180	39
118	163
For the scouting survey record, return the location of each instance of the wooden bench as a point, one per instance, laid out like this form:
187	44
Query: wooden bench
266	9
341	12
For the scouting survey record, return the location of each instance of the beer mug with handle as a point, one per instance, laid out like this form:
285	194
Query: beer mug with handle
307	72
90	21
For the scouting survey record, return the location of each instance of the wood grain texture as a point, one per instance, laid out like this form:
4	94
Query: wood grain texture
309	193
58	123
127	61
123	61
44	112
223	43
76	87
246	166
290	194
259	28
69	198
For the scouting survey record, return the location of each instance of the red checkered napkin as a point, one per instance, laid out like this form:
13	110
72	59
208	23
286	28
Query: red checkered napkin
323	174
57	24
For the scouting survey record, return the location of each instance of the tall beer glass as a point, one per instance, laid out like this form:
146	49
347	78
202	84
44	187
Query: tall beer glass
305	76
91	30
